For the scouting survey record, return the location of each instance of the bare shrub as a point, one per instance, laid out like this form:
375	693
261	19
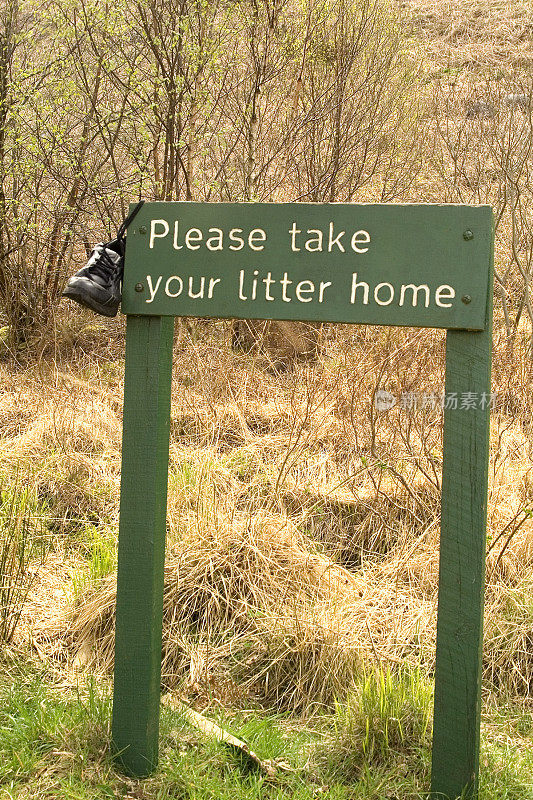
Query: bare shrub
487	159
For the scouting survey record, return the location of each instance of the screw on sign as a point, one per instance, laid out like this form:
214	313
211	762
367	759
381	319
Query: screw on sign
416	265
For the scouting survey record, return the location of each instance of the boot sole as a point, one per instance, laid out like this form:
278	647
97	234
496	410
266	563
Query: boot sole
87	301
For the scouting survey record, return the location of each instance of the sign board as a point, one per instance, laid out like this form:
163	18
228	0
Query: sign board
416	265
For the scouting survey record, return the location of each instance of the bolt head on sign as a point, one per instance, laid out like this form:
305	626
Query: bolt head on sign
412	265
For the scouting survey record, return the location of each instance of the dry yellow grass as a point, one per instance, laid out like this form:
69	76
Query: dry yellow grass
303	527
473	34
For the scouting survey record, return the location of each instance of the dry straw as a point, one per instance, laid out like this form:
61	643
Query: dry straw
250	604
303	526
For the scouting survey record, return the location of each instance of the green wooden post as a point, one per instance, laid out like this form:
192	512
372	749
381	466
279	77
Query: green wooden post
141	553
462	567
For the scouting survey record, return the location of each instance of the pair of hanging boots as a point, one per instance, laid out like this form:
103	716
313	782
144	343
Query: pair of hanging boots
98	285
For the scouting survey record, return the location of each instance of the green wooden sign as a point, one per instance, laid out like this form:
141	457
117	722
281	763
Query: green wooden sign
423	265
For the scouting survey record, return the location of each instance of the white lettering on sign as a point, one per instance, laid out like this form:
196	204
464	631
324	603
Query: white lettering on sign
238	241
253	286
415	290
304	291
385	293
314	241
215	239
174	287
335	240
360	237
151	288
255	238
386	297
195	287
444	292
162	223
174	279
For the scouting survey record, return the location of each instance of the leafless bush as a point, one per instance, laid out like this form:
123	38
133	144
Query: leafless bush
488	158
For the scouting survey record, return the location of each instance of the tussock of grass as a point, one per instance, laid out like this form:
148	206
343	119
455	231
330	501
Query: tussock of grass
252	608
69	440
387	715
247	598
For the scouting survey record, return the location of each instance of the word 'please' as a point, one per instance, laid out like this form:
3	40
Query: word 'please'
213	239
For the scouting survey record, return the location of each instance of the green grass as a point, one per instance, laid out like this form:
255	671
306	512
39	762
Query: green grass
24	541
386	721
98	547
54	744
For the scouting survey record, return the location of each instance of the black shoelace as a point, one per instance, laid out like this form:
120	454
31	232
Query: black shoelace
104	266
121	233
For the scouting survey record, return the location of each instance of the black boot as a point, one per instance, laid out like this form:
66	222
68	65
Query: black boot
98	285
